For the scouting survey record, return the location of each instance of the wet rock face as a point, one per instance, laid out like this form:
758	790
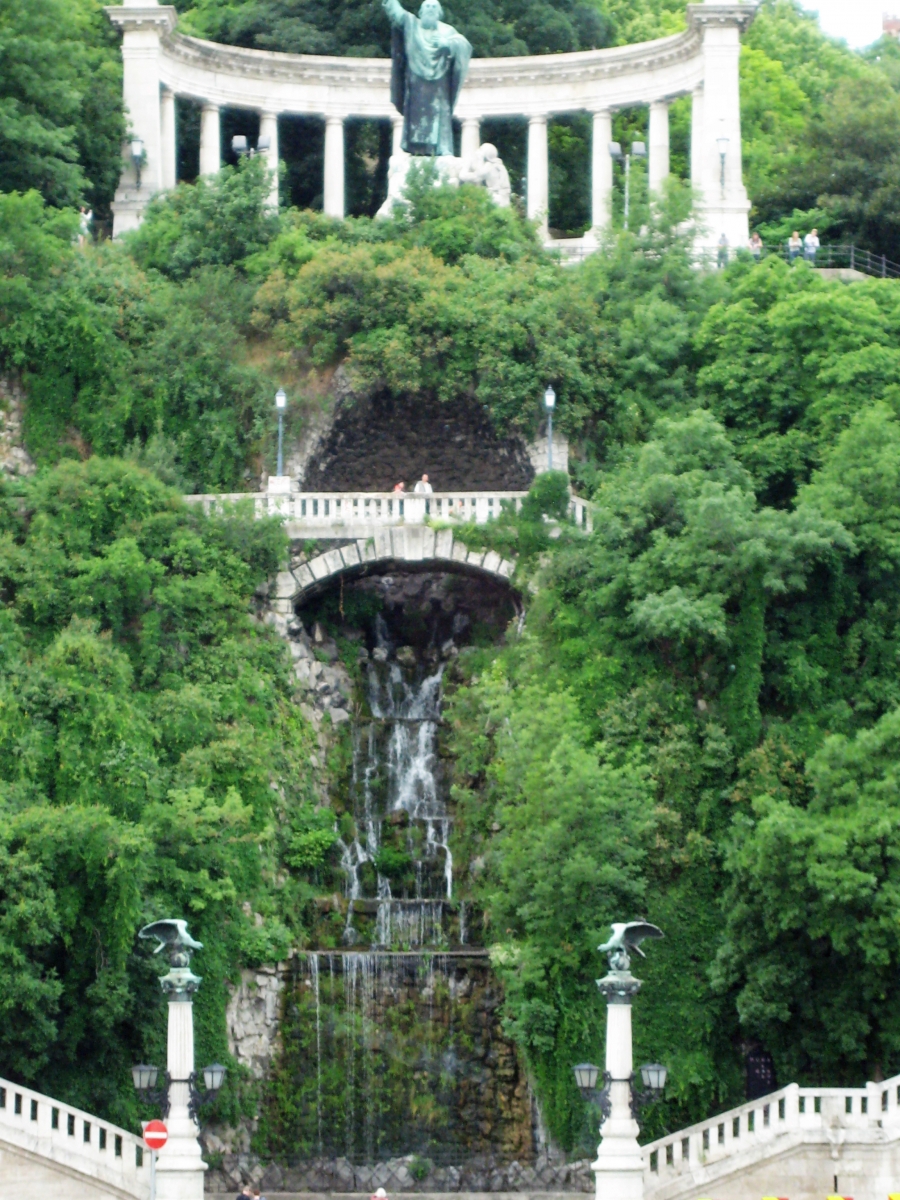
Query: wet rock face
374	442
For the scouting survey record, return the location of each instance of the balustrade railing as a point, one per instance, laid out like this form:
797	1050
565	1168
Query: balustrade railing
331	510
792	1110
74	1139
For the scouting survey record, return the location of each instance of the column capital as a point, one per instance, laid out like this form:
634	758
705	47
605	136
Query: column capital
164	16
209	106
538	119
619	987
332	120
702	16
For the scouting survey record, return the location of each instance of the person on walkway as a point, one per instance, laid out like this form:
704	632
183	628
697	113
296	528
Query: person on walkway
380	1194
795	246
810	246
755	245
400	487
723	251
423	485
245	1193
85	216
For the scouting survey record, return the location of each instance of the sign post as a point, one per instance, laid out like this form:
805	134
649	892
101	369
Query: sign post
155	1137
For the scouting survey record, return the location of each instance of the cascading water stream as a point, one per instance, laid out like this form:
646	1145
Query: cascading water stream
395	772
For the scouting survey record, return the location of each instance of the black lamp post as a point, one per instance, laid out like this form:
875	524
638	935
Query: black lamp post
145	1079
653	1077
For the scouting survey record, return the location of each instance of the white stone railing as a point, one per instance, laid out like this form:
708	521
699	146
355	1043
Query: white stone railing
760	1123
73	1140
328	513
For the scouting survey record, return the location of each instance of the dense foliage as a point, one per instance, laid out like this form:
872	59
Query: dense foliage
148	746
698	722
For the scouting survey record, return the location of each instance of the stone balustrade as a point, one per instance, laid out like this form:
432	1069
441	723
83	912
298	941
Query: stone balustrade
60	1150
789	1137
161	64
360	514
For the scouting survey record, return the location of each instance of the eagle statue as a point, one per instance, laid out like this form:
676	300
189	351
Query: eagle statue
627	936
172	935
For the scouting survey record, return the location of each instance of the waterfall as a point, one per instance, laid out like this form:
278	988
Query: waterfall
398	1053
395	779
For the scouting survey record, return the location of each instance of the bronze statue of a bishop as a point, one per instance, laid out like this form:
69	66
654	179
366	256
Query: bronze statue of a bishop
429	61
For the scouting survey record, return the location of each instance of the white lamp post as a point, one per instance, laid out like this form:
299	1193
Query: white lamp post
549	404
638	150
281	405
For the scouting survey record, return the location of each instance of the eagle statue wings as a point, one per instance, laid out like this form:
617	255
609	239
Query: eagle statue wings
627	936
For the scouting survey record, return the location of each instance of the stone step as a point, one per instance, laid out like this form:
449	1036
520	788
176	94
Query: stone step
418	1195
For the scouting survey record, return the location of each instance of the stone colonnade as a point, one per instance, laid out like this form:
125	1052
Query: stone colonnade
160	63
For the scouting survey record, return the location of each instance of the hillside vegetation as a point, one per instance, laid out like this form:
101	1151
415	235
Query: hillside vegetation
697	721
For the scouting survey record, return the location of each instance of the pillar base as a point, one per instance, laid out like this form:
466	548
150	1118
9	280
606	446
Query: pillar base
128	211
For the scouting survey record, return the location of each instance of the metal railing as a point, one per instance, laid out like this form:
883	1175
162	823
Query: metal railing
847	257
792	1110
76	1141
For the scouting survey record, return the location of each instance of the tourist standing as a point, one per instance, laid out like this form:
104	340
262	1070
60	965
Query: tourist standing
755	245
85	217
810	246
400	487
795	246
423	485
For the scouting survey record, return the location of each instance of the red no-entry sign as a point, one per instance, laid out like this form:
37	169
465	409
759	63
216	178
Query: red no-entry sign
155	1135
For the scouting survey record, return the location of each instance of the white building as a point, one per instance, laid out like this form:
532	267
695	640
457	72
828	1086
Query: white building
161	63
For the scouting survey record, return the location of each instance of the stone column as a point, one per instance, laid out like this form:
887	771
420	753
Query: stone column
696	133
471	137
723	210
169	149
142	27
538	172
396	133
619	1169
333	201
601	170
658	149
268	128
210	140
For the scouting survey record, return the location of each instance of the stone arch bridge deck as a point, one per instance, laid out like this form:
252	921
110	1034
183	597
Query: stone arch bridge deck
381	527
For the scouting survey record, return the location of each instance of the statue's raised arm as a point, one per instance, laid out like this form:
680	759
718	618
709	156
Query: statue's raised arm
429	61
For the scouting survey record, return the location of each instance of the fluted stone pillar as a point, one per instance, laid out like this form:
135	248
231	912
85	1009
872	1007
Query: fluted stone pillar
471	137
538	172
333	197
601	170
658	149
210	140
268	128
169	149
